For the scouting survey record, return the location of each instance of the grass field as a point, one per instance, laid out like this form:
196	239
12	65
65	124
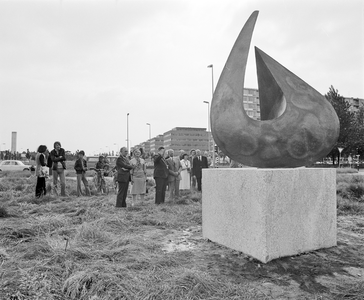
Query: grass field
85	248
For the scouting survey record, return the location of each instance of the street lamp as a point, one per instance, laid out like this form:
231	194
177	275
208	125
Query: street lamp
212	76
150	130
127	131
208	123
213	88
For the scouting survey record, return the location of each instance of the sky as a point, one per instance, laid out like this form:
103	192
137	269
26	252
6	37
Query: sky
71	71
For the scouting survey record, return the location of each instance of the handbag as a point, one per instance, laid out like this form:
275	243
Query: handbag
44	171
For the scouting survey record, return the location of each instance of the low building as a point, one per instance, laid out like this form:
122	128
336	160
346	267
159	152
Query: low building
156	142
186	138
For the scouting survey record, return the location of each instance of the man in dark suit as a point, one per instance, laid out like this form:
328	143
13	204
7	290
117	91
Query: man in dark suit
174	177
123	168
160	176
199	163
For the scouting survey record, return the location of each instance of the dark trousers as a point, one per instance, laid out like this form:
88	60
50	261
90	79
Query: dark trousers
199	184
122	193
40	188
82	178
160	189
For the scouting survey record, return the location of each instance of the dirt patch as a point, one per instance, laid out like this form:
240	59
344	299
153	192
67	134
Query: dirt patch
181	241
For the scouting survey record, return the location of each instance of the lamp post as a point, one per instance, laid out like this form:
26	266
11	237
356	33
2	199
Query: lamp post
127	131
212	77
208	123
213	88
150	130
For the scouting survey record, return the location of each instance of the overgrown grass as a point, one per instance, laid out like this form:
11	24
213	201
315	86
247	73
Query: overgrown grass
353	291
3	212
84	248
350	191
346	171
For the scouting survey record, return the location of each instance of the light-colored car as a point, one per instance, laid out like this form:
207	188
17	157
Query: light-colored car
13	165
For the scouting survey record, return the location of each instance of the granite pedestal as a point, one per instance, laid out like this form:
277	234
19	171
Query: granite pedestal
270	213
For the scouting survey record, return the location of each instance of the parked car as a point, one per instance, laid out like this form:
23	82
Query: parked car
92	161
13	165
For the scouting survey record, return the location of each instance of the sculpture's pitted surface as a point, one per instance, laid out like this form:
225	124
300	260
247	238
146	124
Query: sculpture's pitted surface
298	125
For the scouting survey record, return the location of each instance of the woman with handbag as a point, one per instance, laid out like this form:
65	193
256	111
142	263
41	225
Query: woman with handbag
185	173
41	171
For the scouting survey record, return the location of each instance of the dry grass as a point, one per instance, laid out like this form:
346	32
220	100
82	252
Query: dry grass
85	248
350	191
346	171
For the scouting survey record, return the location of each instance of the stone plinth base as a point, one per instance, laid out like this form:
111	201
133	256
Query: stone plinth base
270	213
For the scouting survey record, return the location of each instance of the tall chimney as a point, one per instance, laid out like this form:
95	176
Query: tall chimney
13	142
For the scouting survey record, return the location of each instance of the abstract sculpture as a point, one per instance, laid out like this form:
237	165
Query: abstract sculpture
298	125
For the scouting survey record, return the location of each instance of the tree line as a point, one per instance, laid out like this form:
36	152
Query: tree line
351	137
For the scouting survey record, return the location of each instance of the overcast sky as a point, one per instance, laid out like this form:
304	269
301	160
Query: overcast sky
70	71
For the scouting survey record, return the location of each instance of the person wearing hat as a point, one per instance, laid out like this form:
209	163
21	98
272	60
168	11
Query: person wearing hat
58	156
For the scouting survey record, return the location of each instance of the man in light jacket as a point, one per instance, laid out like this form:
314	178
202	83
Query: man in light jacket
174	176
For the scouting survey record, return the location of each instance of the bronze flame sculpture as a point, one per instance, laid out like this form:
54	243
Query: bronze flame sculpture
298	125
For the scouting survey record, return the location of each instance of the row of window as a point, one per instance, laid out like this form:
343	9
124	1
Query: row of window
185	134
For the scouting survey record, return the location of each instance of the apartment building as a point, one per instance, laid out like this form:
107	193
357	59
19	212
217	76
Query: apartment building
251	103
186	138
155	143
355	103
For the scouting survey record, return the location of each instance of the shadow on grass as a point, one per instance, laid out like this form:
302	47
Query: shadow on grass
306	269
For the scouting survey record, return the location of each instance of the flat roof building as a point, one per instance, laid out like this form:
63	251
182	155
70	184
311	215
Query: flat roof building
355	103
156	142
251	103
186	138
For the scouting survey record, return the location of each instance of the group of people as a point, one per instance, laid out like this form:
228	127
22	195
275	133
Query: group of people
55	162
181	172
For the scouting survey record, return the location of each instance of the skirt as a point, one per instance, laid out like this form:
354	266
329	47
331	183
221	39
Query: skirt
139	186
